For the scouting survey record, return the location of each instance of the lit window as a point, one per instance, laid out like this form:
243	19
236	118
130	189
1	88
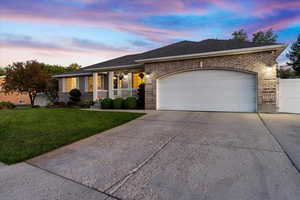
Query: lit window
137	79
70	83
90	83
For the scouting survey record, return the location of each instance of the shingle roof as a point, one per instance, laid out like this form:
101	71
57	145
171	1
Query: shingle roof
176	49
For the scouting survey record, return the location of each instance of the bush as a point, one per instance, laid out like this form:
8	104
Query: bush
130	103
35	106
141	96
118	103
7	105
87	104
75	95
57	105
107	103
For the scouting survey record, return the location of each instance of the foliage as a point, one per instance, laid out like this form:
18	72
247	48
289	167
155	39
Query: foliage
2	71
58	69
26	133
240	35
141	96
87	104
264	37
106	103
26	77
6	105
75	95
118	103
286	73
294	55
130	103
52	90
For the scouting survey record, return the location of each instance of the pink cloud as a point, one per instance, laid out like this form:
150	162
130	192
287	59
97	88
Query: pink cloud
281	24
270	7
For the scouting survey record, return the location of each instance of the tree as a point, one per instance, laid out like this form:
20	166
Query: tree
240	35
2	71
264	37
58	69
294	55
26	77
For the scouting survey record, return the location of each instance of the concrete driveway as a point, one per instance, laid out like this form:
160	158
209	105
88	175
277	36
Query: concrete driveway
164	155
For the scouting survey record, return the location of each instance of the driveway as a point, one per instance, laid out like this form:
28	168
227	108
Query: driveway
164	155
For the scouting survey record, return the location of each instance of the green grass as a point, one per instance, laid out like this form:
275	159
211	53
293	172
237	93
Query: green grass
25	133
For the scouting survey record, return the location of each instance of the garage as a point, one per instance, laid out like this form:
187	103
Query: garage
207	90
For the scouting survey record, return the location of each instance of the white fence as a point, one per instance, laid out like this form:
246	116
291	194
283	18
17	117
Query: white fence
289	95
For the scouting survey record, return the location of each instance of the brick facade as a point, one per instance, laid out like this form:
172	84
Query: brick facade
262	64
14	97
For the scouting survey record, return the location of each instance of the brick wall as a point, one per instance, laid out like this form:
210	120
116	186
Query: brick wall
263	64
14	98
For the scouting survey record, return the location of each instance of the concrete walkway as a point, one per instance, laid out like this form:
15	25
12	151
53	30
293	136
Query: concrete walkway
163	155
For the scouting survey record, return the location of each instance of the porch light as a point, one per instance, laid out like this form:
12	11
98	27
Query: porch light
126	75
148	75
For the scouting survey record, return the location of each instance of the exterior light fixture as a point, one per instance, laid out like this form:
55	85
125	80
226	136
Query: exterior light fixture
126	75
148	75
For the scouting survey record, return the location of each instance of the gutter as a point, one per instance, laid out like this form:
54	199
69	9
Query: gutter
213	54
70	75
115	67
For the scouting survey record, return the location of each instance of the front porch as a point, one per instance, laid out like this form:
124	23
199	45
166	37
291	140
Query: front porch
115	84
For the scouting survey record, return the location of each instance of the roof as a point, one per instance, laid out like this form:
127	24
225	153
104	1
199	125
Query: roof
177	49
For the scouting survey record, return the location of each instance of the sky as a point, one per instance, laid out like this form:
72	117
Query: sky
91	31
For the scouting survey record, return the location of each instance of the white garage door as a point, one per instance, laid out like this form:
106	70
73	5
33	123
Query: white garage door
207	90
289	95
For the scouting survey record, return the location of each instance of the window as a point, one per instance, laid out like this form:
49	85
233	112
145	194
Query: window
137	80
70	83
90	83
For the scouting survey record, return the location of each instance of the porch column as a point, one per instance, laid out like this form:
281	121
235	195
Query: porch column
130	82
110	85
95	86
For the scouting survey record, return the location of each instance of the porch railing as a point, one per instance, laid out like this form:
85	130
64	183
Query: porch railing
125	92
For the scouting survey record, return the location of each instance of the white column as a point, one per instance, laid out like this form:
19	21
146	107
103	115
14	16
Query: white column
110	85
63	89
130	82
95	86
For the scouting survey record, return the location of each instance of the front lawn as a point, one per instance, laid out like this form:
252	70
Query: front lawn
31	132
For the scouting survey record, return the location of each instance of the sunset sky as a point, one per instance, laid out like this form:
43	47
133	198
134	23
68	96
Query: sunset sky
91	31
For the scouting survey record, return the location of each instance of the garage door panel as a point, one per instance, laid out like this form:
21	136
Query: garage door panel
208	90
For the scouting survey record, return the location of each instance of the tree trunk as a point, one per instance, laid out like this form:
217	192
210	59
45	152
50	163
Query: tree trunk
32	98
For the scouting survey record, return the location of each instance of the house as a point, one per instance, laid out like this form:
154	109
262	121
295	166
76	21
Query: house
15	98
210	75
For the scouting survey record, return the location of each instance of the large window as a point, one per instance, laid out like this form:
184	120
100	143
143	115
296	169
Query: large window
70	83
90	82
137	79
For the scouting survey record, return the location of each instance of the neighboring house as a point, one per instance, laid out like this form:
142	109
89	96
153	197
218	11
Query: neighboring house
15	98
210	75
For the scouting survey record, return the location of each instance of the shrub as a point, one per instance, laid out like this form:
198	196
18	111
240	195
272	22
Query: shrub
118	103
7	105
75	95
57	105
35	106
107	103
130	103
141	96
87	104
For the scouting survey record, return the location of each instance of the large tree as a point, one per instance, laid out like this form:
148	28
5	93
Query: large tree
294	55
240	35
58	69
26	77
265	37
2	71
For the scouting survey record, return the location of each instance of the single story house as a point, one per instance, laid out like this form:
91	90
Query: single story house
210	75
